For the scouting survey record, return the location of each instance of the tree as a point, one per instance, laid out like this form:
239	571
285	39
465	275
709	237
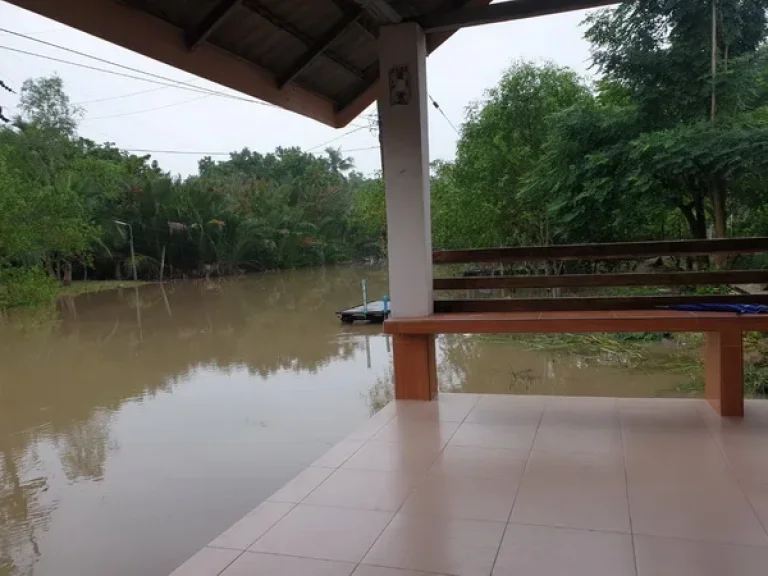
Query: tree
648	142
338	162
662	53
4	86
60	196
500	143
45	104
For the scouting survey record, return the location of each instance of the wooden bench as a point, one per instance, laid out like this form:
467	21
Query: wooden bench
413	342
414	338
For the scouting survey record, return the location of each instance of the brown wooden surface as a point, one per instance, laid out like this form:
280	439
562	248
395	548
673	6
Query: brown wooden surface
576	322
618	251
724	371
601	280
415	368
588	303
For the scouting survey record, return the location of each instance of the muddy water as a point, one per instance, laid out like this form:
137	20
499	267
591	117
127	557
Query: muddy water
138	424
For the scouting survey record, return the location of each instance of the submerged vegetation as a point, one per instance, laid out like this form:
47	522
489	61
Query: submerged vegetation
647	353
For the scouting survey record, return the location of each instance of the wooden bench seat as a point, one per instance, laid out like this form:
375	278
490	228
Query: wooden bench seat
414	351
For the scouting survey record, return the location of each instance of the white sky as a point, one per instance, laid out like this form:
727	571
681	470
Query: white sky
457	73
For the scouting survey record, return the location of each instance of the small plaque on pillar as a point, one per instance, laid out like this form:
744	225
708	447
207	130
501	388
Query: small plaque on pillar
399	86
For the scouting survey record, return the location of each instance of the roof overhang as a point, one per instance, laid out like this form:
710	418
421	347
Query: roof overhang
318	58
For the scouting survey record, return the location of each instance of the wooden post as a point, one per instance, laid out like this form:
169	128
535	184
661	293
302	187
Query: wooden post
724	372
415	366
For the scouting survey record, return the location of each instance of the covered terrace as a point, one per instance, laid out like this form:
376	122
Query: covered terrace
459	485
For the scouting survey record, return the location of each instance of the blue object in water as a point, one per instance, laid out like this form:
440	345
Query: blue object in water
386	304
737	308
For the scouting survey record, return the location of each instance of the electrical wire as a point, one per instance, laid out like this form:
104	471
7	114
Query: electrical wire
190	152
206	153
142	79
39	32
339	137
179	83
360	149
437	107
106	98
123	66
176	84
147	109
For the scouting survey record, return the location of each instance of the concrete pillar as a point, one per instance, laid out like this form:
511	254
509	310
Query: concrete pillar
405	158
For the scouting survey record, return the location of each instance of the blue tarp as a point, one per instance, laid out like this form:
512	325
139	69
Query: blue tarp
737	308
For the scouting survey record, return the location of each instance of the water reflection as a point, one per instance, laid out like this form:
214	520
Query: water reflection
141	422
221	389
499	366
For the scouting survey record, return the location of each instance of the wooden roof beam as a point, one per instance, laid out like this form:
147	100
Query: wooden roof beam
365	22
502	12
117	22
321	46
200	33
289	28
381	9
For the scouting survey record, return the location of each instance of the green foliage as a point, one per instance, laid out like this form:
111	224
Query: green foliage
25	287
644	158
660	52
61	198
501	141
369	211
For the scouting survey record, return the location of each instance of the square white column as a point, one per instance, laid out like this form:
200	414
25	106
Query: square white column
403	110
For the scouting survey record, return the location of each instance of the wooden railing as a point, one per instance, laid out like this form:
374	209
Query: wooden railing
592	252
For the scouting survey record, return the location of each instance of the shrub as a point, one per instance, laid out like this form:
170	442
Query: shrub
25	287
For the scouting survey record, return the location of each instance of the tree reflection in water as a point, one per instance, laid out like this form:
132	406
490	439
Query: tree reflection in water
63	380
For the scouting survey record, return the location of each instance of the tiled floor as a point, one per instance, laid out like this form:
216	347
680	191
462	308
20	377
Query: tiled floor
474	485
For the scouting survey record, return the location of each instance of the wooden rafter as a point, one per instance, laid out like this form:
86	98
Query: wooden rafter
216	16
320	46
365	22
289	28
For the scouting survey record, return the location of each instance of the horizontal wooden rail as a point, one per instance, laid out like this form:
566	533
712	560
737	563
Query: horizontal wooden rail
618	251
576	322
599	280
588	303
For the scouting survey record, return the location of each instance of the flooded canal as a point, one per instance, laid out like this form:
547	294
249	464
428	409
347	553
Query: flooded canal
140	423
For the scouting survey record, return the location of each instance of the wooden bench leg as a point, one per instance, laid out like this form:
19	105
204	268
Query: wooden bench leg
415	368
724	372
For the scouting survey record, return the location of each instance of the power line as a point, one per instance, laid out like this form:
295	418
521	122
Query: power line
191	152
206	153
41	32
339	137
437	106
106	98
148	109
142	79
123	66
179	83
113	72
360	149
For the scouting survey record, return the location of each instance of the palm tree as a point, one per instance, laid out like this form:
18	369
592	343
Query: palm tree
338	162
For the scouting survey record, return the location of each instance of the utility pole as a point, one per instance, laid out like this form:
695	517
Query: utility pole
130	241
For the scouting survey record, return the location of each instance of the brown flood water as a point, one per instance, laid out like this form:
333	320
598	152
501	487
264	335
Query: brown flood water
130	436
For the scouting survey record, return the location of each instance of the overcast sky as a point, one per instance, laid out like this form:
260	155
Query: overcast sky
458	73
